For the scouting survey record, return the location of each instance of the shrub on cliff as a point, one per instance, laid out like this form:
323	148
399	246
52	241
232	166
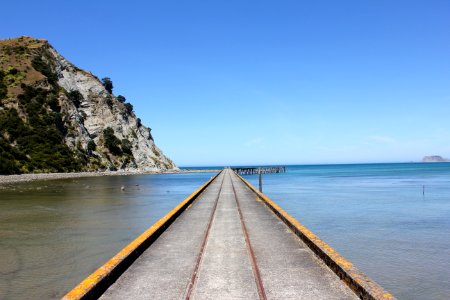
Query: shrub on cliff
43	67
121	99
3	88
107	83
8	163
129	107
91	146
76	97
109	101
126	147
39	144
111	141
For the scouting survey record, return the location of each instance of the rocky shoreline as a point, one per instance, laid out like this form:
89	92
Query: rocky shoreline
8	179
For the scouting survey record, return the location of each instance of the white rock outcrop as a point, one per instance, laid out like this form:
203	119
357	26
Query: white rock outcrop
99	110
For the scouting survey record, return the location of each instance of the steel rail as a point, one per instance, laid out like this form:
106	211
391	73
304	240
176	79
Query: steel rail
256	272
194	276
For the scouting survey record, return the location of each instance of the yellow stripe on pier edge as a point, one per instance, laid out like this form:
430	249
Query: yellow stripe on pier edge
363	286
94	285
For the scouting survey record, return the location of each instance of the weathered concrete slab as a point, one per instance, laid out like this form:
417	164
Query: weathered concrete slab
289	270
226	271
164	270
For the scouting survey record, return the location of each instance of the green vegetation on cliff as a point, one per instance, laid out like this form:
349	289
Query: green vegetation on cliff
32	128
39	145
55	117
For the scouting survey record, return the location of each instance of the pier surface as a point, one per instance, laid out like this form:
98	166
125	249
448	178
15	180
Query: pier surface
228	245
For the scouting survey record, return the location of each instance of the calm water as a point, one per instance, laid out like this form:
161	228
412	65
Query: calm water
377	217
55	233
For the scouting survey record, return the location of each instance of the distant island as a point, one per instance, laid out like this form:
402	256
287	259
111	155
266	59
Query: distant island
55	117
434	158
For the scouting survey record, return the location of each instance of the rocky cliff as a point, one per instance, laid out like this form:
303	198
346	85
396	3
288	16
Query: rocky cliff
55	117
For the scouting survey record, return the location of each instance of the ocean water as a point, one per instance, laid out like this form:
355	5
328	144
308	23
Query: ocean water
391	220
55	233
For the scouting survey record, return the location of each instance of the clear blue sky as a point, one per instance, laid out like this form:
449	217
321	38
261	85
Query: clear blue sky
265	82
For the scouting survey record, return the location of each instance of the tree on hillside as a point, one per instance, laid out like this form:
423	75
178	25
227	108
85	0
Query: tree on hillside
121	99
76	97
129	107
107	83
111	141
3	87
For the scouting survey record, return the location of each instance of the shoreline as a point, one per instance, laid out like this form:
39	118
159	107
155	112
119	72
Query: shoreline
10	179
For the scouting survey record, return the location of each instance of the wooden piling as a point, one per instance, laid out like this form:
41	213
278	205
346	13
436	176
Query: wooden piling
260	182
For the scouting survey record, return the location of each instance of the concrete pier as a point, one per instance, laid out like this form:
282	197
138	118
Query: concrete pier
229	244
259	170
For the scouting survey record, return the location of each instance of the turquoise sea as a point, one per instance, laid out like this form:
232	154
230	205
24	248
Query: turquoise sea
391	220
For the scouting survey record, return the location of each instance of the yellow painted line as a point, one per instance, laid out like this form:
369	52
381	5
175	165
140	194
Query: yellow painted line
96	283
361	284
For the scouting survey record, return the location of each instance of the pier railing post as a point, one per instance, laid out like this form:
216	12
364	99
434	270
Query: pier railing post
260	180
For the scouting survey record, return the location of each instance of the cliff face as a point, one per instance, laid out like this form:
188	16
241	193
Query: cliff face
48	102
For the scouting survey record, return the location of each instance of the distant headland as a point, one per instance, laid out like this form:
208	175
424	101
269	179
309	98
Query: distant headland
434	158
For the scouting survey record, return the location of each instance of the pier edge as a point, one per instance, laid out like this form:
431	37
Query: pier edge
364	287
95	284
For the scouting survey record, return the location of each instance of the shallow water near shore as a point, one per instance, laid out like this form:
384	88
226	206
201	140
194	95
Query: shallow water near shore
55	233
391	220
